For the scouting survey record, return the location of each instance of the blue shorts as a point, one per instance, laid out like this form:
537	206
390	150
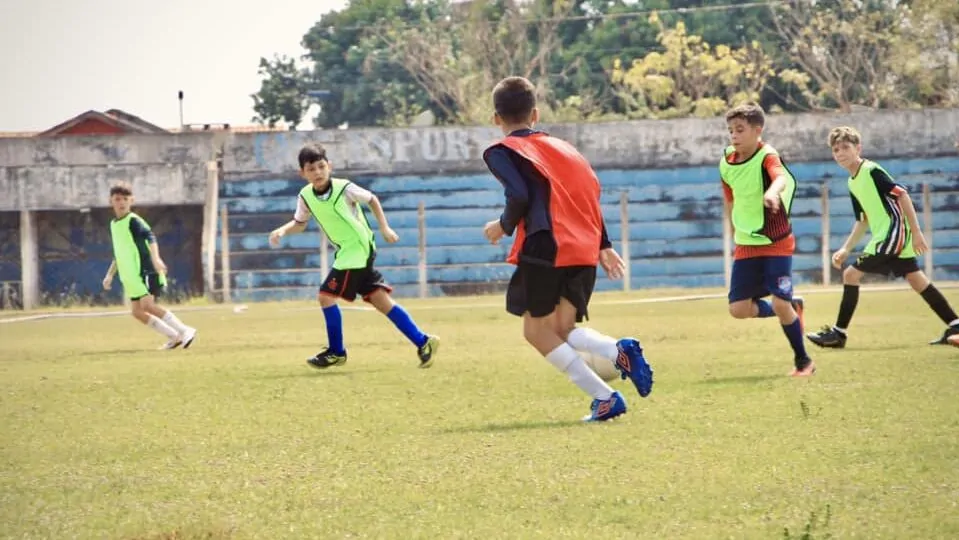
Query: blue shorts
761	276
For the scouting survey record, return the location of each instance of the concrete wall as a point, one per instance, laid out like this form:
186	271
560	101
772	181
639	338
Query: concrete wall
666	167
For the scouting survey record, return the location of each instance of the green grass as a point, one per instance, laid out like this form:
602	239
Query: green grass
103	437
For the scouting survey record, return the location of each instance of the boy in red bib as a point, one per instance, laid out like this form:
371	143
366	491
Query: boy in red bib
553	212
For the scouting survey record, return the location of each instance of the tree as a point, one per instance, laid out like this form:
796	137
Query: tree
690	77
282	96
458	53
844	49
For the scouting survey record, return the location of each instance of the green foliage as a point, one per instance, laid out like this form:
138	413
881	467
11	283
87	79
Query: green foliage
282	95
387	61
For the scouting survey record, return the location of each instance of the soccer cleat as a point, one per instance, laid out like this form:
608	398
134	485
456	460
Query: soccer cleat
828	337
804	368
428	351
602	410
188	337
632	364
949	337
170	345
327	358
799	306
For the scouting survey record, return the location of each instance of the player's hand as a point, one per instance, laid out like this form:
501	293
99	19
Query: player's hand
493	231
771	201
390	235
612	263
107	282
838	258
919	244
275	238
159	265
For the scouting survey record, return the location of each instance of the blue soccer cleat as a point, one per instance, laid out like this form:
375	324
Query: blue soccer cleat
632	364
603	410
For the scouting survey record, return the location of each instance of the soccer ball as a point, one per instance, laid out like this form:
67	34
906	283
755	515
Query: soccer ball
600	366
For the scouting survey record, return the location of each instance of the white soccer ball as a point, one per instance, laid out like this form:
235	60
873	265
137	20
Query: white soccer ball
600	366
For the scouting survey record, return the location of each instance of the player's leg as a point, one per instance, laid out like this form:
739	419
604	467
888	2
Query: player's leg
186	333
540	332
778	277
835	336
547	314
917	279
376	291
142	308
626	354
747	289
336	285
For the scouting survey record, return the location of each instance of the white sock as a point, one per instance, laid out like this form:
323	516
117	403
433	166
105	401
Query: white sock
175	323
840	330
591	341
567	360
162	327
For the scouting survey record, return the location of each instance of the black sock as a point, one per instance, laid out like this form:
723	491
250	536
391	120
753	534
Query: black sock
938	303
850	298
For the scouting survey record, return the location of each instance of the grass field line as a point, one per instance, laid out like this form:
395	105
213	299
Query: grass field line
239	308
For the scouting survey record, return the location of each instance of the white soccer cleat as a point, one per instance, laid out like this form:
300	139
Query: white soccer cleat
188	337
172	344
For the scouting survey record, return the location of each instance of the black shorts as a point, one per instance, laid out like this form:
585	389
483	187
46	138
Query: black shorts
153	285
347	284
537	286
886	265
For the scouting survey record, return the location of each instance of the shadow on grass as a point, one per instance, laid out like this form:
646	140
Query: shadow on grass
745	379
514	426
113	352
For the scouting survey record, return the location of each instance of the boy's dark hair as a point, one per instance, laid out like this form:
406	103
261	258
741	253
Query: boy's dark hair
121	188
751	112
514	99
311	153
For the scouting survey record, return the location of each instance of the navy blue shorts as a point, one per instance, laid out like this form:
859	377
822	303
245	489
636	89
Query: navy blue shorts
761	276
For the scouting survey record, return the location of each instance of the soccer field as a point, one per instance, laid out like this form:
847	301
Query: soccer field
105	437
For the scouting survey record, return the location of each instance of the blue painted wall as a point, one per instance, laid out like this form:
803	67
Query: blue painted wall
75	251
674	227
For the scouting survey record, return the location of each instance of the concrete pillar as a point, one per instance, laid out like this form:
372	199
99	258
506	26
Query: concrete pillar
29	260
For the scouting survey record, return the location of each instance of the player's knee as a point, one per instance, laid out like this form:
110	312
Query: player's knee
741	310
326	300
536	329
851	276
918	281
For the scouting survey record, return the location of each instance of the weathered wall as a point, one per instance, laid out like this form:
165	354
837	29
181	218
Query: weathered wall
76	172
666	167
73	172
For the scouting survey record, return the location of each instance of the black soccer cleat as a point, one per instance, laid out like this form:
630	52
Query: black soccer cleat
327	358
828	337
948	337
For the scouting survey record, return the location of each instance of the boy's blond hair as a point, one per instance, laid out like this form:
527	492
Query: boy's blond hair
844	134
750	112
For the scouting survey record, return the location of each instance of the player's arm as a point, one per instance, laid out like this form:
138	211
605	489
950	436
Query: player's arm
515	188
888	187
855	236
775	170
728	207
358	195
296	225
141	232
108	278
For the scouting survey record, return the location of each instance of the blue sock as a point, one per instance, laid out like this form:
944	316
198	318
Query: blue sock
405	323
794	335
765	309
334	328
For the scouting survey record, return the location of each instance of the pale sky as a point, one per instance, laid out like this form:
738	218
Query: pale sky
62	58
